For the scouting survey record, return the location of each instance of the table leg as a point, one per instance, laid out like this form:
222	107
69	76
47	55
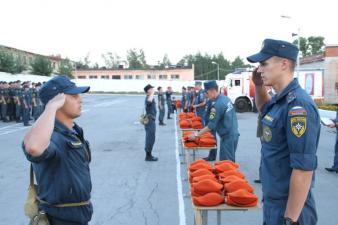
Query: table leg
218	217
198	217
205	217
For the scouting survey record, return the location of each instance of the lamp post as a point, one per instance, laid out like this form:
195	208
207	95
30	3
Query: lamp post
298	43
217	69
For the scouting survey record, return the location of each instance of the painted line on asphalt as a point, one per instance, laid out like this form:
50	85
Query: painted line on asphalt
12	131
181	207
12	125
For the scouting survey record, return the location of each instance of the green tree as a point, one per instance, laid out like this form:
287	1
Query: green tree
7	61
165	62
41	65
66	68
317	44
312	45
238	63
111	60
136	59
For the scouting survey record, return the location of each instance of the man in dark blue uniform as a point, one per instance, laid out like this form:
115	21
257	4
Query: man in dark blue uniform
291	129
209	104
334	168
168	94
60	155
150	127
26	103
161	108
199	104
223	120
183	99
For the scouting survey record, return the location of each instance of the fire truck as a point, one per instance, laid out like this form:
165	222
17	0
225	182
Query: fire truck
239	87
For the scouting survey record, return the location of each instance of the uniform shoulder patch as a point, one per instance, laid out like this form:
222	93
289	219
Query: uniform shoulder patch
298	125
212	113
297	111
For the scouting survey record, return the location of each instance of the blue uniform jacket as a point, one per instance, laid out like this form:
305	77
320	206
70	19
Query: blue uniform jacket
223	117
291	129
63	175
150	108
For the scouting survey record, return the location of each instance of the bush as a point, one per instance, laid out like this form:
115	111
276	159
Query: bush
328	107
41	66
66	68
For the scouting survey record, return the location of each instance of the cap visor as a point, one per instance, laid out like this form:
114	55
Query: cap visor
77	90
259	57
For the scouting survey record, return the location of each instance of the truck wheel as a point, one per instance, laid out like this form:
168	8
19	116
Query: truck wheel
241	105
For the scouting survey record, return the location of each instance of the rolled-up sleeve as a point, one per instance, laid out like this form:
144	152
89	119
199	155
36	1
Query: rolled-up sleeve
49	153
303	130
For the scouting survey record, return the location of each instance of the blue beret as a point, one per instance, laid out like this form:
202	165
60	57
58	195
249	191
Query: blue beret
273	47
210	84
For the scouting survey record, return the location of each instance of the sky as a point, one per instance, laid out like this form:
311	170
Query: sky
74	28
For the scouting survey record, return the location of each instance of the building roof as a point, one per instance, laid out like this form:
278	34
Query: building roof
52	57
312	59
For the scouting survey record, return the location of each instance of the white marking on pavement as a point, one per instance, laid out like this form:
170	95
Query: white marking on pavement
181	208
13	130
13	125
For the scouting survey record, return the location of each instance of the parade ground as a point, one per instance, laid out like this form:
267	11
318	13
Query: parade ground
129	191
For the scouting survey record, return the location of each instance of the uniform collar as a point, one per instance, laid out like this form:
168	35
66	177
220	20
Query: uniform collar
63	129
292	86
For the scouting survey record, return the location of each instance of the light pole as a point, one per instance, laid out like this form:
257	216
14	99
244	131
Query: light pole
298	43
217	69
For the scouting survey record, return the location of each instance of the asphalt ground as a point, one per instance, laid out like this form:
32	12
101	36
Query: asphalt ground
127	190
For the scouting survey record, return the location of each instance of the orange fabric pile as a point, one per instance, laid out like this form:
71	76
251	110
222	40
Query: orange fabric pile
178	104
212	185
205	140
190	120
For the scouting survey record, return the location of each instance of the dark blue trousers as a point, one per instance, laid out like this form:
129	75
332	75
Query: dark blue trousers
25	116
55	221
228	147
150	135
161	115
335	163
169	109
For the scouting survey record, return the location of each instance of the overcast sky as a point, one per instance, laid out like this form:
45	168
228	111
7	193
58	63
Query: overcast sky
74	28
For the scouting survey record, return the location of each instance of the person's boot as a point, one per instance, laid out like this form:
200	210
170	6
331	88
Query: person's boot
151	158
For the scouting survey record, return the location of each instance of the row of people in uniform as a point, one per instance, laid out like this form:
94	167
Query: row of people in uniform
20	101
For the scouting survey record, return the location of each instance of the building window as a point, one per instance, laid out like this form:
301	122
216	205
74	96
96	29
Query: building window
139	77
151	77
81	77
116	77
128	77
105	77
237	82
163	77
175	77
92	77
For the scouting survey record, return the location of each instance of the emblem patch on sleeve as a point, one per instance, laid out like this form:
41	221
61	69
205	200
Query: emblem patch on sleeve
212	114
298	125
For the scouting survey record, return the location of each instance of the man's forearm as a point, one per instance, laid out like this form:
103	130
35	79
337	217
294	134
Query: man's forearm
261	97
38	137
300	183
203	131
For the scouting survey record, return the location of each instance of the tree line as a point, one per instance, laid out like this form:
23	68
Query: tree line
205	66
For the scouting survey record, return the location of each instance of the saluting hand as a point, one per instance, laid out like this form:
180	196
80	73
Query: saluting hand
257	78
57	102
